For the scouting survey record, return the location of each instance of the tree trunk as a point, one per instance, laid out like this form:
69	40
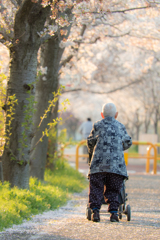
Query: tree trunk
51	57
53	144
156	120
29	20
137	132
22	73
146	124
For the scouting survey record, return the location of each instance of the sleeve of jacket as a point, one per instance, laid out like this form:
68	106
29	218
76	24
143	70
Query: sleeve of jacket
91	140
126	139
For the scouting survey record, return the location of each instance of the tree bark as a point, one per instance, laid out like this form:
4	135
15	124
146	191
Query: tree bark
29	20
156	119
146	124
51	55
137	124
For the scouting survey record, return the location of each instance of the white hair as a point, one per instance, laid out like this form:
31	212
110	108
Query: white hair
109	110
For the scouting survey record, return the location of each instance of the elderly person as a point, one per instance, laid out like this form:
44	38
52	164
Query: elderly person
106	143
85	130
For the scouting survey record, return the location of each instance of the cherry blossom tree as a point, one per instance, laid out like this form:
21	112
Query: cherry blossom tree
26	25
23	31
114	63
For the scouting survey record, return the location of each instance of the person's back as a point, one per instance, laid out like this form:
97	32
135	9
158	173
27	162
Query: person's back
86	128
108	156
107	172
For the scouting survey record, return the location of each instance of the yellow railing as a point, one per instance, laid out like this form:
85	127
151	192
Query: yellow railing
157	145
148	156
127	155
83	142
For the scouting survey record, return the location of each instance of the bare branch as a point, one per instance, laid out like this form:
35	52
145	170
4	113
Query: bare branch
91	42
63	63
130	9
125	86
117	36
83	30
98	38
68	59
97	92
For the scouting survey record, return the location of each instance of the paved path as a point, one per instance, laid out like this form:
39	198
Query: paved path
69	222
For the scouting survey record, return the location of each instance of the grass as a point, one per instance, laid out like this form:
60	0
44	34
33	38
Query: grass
17	205
133	149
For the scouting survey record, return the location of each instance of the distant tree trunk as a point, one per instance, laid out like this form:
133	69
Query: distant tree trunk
137	124
29	20
146	126
148	116
156	120
137	132
51	58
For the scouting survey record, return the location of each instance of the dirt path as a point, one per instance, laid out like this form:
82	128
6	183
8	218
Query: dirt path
70	223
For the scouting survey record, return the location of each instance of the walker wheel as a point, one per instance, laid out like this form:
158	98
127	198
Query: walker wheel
128	212
124	207
120	210
88	213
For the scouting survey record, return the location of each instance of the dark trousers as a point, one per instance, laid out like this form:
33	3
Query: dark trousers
107	185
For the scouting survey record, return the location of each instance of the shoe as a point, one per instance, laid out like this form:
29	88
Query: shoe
114	217
95	216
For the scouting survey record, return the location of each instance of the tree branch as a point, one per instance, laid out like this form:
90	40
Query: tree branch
129	9
63	63
98	38
83	30
91	42
117	36
98	92
102	14
68	59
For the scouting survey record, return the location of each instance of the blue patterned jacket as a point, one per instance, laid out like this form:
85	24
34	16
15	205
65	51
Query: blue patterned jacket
106	143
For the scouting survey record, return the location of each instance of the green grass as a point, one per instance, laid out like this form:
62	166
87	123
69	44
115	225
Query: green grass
133	149
17	204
